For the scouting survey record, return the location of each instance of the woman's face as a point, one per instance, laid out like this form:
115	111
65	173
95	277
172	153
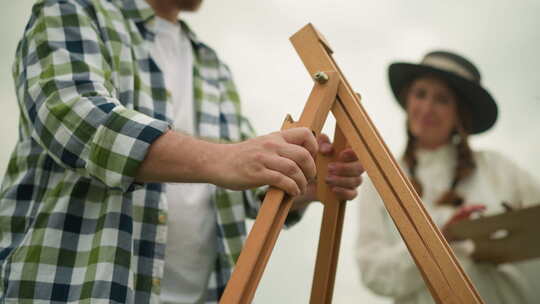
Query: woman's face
432	111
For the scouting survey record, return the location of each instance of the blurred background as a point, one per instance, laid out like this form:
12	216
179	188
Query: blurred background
501	37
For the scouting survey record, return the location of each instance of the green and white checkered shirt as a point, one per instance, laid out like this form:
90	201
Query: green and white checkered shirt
74	227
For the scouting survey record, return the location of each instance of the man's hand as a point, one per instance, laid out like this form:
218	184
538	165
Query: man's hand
344	176
282	159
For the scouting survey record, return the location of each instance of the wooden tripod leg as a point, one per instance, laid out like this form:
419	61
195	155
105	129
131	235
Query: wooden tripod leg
427	265
435	243
257	249
331	228
259	244
276	206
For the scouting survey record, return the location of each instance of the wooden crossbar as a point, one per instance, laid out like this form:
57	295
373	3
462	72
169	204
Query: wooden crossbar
440	269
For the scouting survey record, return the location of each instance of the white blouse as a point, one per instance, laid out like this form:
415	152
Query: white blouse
386	266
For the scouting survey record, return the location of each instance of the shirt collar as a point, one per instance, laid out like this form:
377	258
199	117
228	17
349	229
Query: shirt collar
141	12
138	10
191	35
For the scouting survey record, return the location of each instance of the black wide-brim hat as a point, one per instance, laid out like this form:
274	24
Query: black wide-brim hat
461	75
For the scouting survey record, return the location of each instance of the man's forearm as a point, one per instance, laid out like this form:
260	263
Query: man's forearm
281	159
176	157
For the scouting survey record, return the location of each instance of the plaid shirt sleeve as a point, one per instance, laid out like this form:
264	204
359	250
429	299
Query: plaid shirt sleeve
63	76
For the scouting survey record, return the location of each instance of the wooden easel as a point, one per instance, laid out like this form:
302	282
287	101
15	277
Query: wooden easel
441	271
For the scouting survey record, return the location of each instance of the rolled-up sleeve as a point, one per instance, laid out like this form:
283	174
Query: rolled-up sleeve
63	76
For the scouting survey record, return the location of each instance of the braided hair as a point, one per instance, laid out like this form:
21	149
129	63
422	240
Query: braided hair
465	161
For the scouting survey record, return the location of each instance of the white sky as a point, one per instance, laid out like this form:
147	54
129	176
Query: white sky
501	37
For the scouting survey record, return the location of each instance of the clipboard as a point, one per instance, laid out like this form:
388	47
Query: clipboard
503	238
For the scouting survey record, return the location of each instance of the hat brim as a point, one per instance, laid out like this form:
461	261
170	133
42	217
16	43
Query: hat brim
482	106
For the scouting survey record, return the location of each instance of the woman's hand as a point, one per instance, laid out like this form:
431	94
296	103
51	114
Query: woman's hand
462	213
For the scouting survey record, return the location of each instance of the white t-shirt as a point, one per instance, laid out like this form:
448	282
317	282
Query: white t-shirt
191	246
385	263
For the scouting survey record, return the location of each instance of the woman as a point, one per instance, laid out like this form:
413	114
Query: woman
445	103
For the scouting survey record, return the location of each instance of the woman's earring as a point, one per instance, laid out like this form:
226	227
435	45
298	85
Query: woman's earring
456	138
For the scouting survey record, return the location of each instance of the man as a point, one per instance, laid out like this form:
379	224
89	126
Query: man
110	93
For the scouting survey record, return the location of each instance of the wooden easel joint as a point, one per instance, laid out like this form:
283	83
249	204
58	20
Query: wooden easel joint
320	77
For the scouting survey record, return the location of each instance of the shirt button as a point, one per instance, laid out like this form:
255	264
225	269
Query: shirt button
162	218
156	282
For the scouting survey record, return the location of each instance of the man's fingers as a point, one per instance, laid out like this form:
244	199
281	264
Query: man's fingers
281	181
303	137
347	155
349	169
325	146
344	194
301	157
289	169
344	182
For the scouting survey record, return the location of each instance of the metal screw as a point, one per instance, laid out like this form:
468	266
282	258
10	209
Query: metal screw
320	77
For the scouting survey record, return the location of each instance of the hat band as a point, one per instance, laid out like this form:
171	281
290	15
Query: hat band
449	65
